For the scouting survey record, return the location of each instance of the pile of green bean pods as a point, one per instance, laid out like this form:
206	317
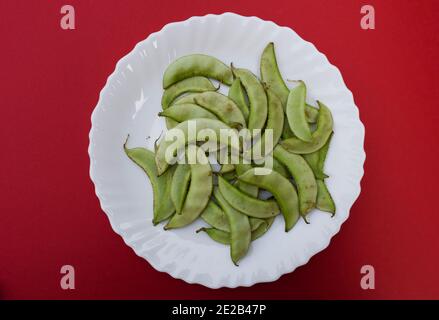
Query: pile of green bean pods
237	204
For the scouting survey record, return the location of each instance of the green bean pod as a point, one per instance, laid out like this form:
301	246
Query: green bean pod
215	216
197	65
313	161
319	137
316	160
223	237
324	199
256	96
197	197
194	84
240	230
183	112
180	186
275	123
296	112
282	190
223	107
183	127
303	177
188	98
237	94
162	205
248	189
227	167
248	205
271	75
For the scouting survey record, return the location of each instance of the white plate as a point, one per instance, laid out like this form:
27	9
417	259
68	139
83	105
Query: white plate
129	104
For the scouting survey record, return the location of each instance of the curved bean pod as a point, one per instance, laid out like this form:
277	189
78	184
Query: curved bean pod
229	176
162	206
188	98
271	75
256	96
194	84
278	167
201	124
224	108
214	216
296	112
313	161
223	237
217	235
197	197
302	175
183	112
316	160
180	186
197	65
262	229
322	155
240	231
236	93
250	206
248	189
324	199
275	123
282	190
227	167
319	137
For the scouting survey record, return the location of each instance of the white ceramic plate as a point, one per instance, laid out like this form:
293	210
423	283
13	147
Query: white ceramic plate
129	104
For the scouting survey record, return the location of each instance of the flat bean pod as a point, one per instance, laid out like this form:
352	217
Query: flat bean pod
272	77
180	186
319	137
256	96
296	112
316	160
194	84
224	108
197	65
183	112
322	155
162	206
248	189
188	98
229	176
282	190
313	161
240	230
262	229
275	123
236	93
248	205
215	216
324	199
223	237
302	175
197	197
227	167
183	128
278	167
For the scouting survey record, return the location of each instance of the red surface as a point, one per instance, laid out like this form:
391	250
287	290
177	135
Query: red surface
50	81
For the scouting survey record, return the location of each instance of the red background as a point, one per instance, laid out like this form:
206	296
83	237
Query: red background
50	80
